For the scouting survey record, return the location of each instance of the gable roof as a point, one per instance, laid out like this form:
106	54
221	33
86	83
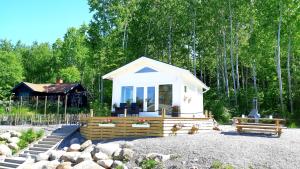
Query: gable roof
156	65
49	88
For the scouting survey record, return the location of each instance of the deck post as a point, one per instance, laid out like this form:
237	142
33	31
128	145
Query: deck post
206	113
66	102
125	112
163	113
37	103
92	112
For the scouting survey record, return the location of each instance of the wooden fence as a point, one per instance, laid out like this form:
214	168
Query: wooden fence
102	128
40	119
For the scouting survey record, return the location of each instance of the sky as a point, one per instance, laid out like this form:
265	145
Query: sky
40	20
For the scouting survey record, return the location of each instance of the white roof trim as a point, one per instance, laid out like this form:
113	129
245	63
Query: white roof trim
179	71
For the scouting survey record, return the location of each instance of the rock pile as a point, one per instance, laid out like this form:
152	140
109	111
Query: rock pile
9	142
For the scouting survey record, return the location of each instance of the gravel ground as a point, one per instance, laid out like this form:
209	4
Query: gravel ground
257	151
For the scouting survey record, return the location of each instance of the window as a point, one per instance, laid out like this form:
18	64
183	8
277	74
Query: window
140	98
165	98
146	70
126	94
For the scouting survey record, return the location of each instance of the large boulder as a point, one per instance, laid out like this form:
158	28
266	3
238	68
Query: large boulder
88	164
100	156
70	156
86	144
5	136
105	163
5	150
13	140
55	154
15	134
107	148
74	147
40	165
83	157
53	164
64	165
42	157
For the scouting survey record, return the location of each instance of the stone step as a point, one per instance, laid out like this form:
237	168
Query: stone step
9	165
51	139
43	145
26	156
53	136
2	167
33	152
38	149
47	142
14	160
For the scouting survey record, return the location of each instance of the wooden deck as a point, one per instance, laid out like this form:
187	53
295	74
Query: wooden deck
124	127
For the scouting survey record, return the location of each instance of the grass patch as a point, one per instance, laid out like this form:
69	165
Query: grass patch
28	137
149	164
220	165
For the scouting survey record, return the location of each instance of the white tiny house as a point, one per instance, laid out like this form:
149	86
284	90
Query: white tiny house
146	86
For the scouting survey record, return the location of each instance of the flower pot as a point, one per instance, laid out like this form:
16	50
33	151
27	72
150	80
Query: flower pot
145	125
107	125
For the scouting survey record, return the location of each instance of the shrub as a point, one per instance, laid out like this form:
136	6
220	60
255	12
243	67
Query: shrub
22	144
119	167
148	164
29	135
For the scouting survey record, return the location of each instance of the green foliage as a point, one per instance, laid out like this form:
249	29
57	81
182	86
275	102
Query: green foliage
28	137
70	74
219	165
149	164
119	167
22	144
293	125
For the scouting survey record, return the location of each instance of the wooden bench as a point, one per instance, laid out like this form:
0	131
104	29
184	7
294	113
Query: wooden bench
261	125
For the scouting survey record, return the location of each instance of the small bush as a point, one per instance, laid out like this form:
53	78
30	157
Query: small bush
148	164
22	144
29	135
119	167
293	125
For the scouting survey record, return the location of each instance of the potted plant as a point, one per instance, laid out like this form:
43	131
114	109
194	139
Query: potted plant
141	123
175	111
107	123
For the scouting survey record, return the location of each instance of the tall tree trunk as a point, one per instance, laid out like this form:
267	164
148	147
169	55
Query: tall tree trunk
124	36
218	68
278	62
254	77
194	44
170	42
225	64
231	55
237	60
289	75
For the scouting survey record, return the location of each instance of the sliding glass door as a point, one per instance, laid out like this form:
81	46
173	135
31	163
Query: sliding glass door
140	98
165	98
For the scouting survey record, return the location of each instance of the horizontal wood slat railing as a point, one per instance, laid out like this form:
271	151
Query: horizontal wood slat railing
123	127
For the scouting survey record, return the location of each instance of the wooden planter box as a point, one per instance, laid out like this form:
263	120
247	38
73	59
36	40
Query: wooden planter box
146	125
107	125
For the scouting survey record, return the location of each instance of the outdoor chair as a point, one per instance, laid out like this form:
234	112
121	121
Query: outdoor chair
134	110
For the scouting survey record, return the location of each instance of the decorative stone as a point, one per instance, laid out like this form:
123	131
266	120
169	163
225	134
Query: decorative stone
13	146
100	156
5	136
70	156
55	154
158	157
40	164
105	163
15	134
83	157
5	150
64	165
89	149
42	157
53	164
127	154
74	147
127	145
108	148
117	163
86	144
88	164
13	140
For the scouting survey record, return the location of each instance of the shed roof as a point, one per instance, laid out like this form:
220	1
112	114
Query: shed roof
49	88
157	65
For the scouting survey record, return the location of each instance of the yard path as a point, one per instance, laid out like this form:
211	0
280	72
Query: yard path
257	151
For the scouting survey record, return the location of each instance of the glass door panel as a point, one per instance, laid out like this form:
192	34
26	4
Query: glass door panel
140	98
150	99
165	98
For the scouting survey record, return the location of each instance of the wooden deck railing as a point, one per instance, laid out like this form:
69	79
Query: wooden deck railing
124	127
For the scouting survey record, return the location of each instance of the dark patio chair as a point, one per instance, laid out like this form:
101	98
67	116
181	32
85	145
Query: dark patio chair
134	109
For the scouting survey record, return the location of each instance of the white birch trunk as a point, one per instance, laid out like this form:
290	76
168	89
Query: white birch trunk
194	44
231	55
225	65
170	42
278	63
237	61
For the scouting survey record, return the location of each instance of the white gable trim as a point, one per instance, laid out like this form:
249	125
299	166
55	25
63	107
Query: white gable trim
156	65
